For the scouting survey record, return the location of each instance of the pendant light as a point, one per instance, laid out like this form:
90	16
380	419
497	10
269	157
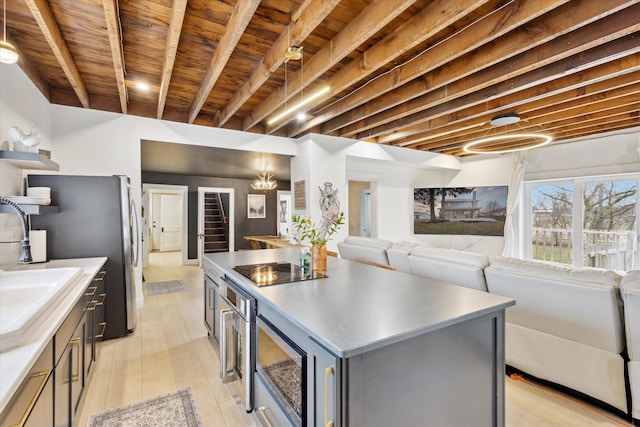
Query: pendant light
8	53
265	182
519	138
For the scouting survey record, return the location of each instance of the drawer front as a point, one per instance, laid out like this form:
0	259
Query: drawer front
63	335
267	409
33	401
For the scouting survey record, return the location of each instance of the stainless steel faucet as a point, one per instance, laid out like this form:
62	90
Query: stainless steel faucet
25	251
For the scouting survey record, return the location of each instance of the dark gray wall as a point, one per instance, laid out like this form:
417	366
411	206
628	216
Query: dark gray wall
242	187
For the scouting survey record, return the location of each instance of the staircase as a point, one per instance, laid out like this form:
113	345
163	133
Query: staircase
215	239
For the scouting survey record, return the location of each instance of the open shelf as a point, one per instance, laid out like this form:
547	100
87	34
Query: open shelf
26	160
31	209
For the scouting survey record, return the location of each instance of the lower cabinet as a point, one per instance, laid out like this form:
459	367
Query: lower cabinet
52	391
32	404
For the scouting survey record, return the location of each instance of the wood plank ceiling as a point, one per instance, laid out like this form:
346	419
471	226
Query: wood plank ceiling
423	74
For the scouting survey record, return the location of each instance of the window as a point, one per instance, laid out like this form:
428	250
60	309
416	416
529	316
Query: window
584	223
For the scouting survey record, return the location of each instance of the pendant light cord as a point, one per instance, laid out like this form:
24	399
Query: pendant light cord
4	22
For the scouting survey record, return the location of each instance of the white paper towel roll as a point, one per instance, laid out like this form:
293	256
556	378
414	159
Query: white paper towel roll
38	241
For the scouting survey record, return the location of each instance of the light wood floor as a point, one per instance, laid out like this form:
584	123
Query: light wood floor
170	350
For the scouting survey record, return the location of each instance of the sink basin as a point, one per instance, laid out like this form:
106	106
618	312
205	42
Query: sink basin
27	297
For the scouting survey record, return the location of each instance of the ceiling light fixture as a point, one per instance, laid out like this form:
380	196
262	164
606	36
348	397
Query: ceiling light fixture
298	105
520	139
8	53
265	182
294	53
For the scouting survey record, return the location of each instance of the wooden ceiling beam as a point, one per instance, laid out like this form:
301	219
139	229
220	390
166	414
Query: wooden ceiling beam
30	71
310	14
548	123
377	15
173	38
240	18
576	86
440	14
481	32
618	122
47	23
524	49
414	123
114	31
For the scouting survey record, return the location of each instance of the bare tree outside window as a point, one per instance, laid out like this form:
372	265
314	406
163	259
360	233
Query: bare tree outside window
608	224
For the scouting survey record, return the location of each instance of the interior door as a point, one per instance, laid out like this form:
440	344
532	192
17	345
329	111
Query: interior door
170	222
365	213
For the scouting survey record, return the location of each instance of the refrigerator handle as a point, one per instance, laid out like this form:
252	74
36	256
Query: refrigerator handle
134	233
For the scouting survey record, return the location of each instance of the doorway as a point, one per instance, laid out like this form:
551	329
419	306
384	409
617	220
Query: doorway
215	220
164	220
360	208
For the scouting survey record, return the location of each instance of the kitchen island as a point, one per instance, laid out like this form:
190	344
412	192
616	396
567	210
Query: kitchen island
384	348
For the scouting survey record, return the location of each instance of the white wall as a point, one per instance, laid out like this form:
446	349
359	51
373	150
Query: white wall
21	104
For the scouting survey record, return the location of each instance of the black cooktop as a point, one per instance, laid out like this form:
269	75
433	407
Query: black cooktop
275	273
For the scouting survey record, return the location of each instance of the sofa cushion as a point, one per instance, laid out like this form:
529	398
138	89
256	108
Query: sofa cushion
398	255
582	306
364	249
448	265
605	278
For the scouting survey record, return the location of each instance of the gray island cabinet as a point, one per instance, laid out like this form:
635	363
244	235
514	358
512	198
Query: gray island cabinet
383	348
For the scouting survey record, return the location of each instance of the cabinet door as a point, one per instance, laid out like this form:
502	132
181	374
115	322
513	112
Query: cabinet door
326	387
70	377
78	345
211	309
62	389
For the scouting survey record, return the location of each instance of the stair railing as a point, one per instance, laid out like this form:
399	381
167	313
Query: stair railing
224	215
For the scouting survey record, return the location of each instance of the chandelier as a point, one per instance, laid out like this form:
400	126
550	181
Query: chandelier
265	182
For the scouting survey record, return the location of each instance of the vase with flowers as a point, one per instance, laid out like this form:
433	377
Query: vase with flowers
318	233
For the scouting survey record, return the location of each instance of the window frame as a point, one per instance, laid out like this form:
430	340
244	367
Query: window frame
578	184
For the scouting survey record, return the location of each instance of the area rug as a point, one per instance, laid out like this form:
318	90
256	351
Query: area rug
176	409
167	287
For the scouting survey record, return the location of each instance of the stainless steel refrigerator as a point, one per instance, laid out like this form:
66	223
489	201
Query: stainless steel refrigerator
97	218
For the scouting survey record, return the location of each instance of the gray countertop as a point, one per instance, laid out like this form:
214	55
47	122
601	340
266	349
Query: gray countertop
359	307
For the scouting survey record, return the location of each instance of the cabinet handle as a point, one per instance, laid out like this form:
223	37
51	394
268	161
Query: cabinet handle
264	418
100	276
43	381
75	342
224	345
211	304
91	290
91	306
104	326
327	372
101	301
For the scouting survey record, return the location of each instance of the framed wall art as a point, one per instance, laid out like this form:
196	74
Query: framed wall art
460	210
256	206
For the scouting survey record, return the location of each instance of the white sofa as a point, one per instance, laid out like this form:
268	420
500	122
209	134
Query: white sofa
630	290
448	265
566	327
365	249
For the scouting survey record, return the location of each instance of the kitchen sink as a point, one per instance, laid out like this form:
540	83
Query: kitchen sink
27	297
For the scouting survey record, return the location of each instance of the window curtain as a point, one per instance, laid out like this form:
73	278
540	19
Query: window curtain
513	201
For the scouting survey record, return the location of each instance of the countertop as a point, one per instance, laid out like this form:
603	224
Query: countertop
16	363
359	307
